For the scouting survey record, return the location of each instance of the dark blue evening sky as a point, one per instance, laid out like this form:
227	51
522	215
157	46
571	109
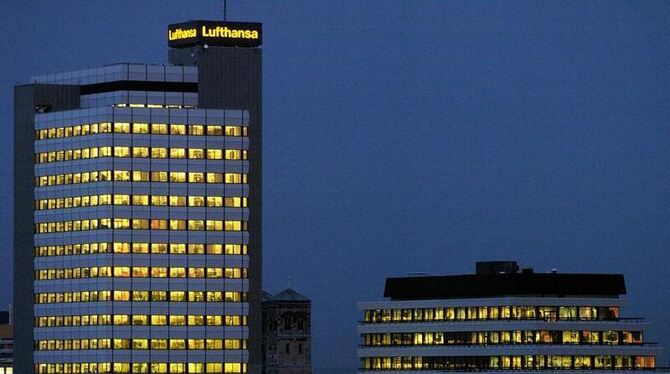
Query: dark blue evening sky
419	137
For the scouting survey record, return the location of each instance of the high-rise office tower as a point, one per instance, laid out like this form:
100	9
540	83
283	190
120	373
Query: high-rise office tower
137	216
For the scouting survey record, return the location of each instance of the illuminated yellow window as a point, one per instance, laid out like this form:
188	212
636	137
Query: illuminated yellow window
140	272
104	200
196	153
214	201
177	153
121	223
214	225
177	320
197	368
196	201
121	199
140	224
177	272
177	296
196	177
233	131
140	296
159	152
140	343
214	130
159	248
177	200
233	178
140	176
178	129
214	273
122	271
140	199
233	225
178	248
233	202
196	130
159	128
159	224
177	224
122	127
196	272
140	152
214	154
216	344
196	321
121	175
121	248
121	151
140	128
159	176
195	224
177	177
159	200
158	296
121	296
232	367
158	320
214	178
159	272
196	249
214	249
121	319
140	247
233	154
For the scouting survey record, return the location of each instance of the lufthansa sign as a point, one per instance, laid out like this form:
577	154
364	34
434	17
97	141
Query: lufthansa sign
226	34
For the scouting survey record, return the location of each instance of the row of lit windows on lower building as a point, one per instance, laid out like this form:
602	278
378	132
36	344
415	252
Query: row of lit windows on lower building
140	248
140	320
140	224
140	200
139	176
155	106
140	272
523	312
140	344
139	128
140	296
530	362
140	152
141	368
503	337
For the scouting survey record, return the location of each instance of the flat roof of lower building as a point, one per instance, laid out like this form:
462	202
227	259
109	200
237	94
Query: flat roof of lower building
503	285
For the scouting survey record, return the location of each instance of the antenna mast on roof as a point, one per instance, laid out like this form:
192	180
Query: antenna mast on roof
225	10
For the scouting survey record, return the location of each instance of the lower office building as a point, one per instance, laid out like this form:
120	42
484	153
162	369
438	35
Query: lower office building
502	319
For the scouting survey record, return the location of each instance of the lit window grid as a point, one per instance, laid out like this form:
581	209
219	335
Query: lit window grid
51	237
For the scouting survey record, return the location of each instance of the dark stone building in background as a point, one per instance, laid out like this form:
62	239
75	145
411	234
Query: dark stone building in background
287	337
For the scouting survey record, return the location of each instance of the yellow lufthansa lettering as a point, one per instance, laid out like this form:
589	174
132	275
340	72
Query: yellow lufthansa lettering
225	32
180	34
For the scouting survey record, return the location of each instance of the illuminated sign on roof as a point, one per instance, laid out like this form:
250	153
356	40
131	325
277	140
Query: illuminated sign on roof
215	33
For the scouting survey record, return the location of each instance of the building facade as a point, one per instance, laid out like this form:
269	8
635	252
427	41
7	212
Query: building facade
287	333
138	212
502	319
